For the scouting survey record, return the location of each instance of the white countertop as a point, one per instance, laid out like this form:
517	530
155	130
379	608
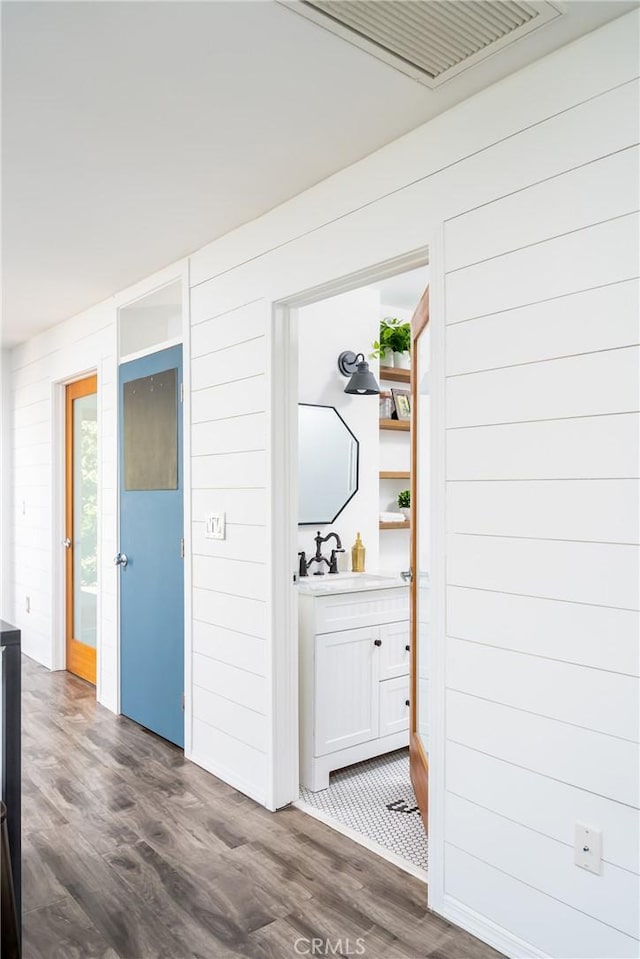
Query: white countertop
347	583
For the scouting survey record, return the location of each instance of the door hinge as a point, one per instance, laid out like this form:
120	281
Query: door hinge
182	702
182	548
182	392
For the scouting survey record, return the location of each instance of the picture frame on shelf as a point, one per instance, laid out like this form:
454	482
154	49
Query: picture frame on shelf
401	404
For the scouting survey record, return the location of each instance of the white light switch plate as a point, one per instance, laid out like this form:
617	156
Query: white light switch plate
215	526
588	848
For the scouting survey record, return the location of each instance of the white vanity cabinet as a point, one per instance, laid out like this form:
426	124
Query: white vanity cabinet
354	675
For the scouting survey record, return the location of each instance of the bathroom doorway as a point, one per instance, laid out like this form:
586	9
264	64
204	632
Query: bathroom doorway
363	681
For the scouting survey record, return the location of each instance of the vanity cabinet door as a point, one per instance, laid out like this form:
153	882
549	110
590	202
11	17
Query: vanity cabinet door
346	693
394	655
394	712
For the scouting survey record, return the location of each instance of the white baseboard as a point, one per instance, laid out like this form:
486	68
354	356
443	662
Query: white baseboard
488	931
381	851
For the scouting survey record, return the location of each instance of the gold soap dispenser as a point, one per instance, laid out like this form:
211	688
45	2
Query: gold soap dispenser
357	555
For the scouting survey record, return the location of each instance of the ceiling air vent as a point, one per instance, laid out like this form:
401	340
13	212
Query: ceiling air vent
430	40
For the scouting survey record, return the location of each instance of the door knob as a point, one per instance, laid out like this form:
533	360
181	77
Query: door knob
120	559
66	543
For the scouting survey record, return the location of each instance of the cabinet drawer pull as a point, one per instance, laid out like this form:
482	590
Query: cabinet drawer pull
377	642
408	648
407	702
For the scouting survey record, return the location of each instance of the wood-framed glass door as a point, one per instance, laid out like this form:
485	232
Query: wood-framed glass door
420	554
81	526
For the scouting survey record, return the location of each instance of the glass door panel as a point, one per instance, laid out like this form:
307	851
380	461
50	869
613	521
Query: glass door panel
82	527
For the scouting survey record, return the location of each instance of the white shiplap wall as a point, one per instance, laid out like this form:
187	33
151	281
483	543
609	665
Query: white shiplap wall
83	344
542	649
231	695
536	180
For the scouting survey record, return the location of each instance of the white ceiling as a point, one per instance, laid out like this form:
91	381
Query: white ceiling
404	289
134	133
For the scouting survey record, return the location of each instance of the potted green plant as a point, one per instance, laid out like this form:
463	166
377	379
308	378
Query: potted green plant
383	346
404	503
400	342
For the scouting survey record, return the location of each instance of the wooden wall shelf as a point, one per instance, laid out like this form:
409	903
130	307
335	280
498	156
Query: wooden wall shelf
395	375
395	425
395	474
395	525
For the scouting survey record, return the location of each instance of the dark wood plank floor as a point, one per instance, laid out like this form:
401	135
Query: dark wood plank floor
132	852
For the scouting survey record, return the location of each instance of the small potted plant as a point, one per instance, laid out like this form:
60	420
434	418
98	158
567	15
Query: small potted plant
400	342
383	346
404	503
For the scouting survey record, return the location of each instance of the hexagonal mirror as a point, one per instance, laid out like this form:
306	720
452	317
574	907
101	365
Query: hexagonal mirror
328	455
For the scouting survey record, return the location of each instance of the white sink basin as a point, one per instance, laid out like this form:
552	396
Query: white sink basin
347	582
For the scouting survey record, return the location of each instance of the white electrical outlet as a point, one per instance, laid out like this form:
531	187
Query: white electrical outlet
588	848
215	526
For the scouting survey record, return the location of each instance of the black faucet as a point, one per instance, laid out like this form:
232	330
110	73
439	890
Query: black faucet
319	558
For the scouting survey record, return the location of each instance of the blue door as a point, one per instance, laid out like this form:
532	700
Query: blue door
151	543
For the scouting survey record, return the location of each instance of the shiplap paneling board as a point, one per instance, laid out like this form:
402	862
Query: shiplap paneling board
245	725
247	395
571	693
37	433
240	542
225	575
29	477
228	646
228	681
545	805
562	327
592	193
235	761
230	612
30	415
545	864
587	385
235	362
31	395
596	636
233	435
241	506
209	333
229	471
585	448
30	538
38	454
591	257
537	918
604	511
597	573
602	764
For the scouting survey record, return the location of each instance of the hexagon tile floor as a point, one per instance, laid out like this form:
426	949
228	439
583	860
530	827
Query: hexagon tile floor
376	799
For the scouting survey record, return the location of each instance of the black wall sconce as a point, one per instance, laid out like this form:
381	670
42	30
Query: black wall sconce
362	382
